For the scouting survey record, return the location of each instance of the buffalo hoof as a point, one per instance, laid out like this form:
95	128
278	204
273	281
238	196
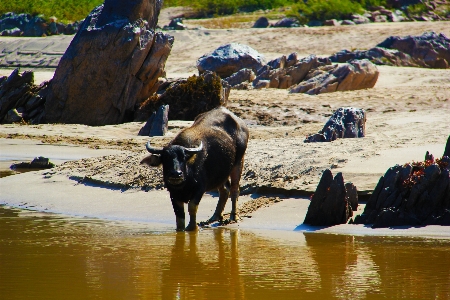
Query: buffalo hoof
234	218
191	227
215	218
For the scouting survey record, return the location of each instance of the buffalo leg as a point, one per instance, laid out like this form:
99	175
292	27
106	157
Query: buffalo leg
224	193
235	177
192	208
178	208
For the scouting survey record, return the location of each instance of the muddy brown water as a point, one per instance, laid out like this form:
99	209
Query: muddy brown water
45	256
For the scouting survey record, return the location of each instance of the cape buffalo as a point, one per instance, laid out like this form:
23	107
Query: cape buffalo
207	156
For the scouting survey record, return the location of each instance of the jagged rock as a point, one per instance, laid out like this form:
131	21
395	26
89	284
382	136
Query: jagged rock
37	163
286	22
447	148
157	124
430	50
188	97
346	122
262	22
14	91
284	72
377	55
414	194
355	75
112	65
13	116
240	77
230	58
333	202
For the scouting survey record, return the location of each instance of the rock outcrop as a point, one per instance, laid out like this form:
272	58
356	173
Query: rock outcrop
188	97
229	59
355	75
111	66
20	99
333	202
414	194
430	50
346	122
285	71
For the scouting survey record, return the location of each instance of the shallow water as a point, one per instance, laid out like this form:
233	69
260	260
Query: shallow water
44	256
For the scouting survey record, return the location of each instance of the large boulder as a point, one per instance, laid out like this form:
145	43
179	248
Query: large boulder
230	58
346	122
414	194
112	65
333	202
355	75
188	97
262	22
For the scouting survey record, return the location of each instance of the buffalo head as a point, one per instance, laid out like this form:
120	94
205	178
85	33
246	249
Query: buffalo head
174	159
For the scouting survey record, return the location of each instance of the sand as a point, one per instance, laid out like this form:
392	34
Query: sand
407	114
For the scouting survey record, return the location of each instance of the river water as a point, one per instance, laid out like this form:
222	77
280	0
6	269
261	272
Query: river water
45	256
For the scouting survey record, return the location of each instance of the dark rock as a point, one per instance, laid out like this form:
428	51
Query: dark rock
176	24
157	124
188	97
357	74
346	122
230	58
37	163
11	32
447	148
286	22
262	22
14	92
415	194
315	23
243	75
333	201
13	116
111	66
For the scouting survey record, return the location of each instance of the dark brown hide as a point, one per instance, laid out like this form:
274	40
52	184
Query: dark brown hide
207	156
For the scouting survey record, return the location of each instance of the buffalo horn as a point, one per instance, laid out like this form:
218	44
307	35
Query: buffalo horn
153	150
195	150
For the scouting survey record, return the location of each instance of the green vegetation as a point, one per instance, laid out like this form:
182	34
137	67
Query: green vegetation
65	10
320	10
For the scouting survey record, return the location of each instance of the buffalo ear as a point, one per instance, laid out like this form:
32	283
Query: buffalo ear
152	160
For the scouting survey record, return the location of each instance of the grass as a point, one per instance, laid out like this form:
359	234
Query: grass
67	11
305	11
